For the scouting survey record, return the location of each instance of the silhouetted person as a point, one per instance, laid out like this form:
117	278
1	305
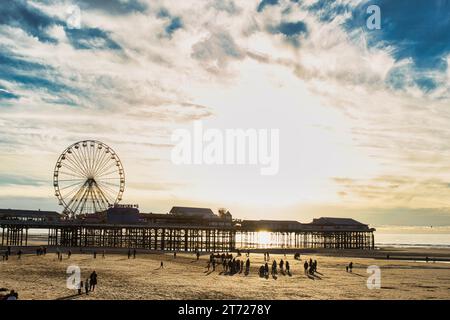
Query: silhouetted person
95	254
305	266
12	295
80	287
198	255
19	254
350	266
69	254
86	286
134	253
161	265
103	254
93	281
175	255
287	267
129	253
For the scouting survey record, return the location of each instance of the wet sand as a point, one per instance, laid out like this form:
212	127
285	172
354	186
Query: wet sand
44	277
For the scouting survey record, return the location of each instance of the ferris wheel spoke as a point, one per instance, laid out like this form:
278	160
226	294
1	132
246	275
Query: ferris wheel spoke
108	190
77	166
105	173
71	185
100	201
71	174
106	163
71	205
103	160
90	151
80	200
82	156
69	195
74	170
89	155
68	180
77	156
105	195
108	183
85	157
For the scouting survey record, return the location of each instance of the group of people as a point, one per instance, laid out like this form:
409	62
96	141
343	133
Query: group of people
41	251
230	265
311	267
89	284
264	269
6	254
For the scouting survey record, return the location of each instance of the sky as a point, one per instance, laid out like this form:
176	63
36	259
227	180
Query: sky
363	114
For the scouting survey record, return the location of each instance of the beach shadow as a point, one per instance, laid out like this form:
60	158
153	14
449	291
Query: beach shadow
76	295
357	274
316	277
274	277
311	277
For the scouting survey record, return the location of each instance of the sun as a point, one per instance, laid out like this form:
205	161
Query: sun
264	238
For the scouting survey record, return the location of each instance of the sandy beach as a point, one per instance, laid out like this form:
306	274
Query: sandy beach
44	277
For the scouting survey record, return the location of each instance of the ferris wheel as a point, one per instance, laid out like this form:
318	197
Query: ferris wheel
88	178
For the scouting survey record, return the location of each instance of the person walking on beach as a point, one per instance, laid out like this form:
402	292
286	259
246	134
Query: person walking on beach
266	270
305	266
69	254
93	281
134	253
281	265
287	267
19	254
350	266
103	254
198	255
80	287
161	266
274	267
129	253
175	255
86	286
95	254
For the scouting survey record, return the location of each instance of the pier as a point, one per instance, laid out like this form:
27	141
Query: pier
182	229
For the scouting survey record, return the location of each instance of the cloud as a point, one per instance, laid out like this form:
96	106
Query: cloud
174	22
265	3
19	13
217	49
91	38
